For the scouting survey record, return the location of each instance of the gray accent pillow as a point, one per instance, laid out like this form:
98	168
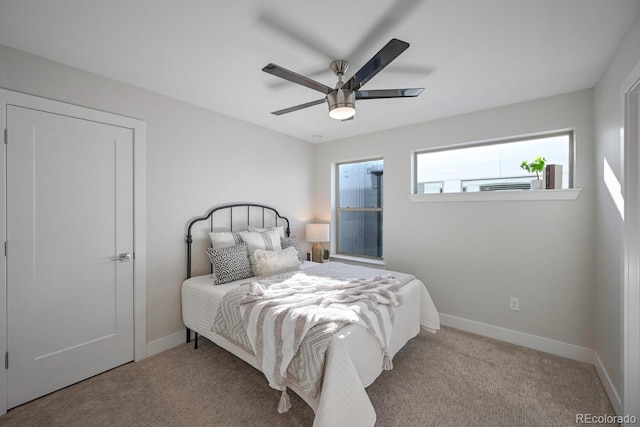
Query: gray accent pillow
230	263
289	242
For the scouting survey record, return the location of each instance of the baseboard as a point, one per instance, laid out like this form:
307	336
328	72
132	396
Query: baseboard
535	342
570	351
614	396
165	343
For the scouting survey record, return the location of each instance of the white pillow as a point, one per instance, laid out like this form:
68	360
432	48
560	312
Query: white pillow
279	228
269	263
264	240
225	239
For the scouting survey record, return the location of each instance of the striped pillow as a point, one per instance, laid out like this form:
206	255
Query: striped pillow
224	239
265	240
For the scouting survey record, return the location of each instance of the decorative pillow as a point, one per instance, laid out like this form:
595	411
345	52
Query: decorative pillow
230	263
269	263
265	240
279	228
291	242
224	239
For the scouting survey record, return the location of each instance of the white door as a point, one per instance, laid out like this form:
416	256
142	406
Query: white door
69	214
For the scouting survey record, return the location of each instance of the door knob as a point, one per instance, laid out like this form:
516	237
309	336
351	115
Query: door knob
124	257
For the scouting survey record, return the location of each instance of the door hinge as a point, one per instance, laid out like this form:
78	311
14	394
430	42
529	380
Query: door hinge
6	360
6	135
6	248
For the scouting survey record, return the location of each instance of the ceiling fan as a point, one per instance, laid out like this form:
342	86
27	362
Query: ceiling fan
342	98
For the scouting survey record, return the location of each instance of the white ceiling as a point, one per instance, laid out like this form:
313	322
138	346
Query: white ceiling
467	54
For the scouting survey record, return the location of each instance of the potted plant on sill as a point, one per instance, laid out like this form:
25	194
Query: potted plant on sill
536	166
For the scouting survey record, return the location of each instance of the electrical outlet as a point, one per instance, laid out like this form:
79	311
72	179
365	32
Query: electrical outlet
514	304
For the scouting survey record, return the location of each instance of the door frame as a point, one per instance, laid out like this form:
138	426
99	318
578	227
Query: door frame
138	127
630	94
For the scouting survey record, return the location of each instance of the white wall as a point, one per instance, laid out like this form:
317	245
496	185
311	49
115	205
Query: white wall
609	119
195	159
474	255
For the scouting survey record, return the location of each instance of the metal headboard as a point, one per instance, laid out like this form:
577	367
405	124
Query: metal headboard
265	210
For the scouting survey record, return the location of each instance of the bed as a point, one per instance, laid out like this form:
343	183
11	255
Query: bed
352	358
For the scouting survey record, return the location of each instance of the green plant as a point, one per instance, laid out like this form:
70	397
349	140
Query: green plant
537	166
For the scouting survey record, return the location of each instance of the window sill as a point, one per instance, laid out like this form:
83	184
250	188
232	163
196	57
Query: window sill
347	258
498	196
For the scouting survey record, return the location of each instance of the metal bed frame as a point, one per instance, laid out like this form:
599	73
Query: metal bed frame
265	210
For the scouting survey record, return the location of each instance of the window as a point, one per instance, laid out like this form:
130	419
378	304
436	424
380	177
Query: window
359	208
491	166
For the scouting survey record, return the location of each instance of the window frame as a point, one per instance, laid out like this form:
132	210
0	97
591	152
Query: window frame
565	132
338	209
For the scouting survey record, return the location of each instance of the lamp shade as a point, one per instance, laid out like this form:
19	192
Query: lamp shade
317	233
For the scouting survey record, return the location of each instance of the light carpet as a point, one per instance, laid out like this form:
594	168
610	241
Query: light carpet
452	378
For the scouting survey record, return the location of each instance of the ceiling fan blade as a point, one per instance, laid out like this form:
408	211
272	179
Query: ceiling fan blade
393	16
325	72
297	33
380	60
283	73
388	93
299	107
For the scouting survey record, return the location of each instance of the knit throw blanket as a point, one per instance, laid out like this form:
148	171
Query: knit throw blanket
278	312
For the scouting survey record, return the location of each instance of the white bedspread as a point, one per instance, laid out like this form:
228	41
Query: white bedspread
354	357
278	314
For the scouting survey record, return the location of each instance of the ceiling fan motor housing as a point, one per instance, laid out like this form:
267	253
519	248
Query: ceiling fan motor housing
342	103
339	67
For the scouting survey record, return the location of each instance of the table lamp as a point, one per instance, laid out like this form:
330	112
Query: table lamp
316	234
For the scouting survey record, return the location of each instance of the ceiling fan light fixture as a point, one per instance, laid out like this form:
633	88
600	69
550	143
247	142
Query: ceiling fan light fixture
342	113
342	104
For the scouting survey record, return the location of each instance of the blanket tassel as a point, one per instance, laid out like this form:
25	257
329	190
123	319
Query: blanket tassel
387	364
285	403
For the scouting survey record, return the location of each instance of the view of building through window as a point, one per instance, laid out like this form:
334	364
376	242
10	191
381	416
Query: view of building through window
490	166
359	213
